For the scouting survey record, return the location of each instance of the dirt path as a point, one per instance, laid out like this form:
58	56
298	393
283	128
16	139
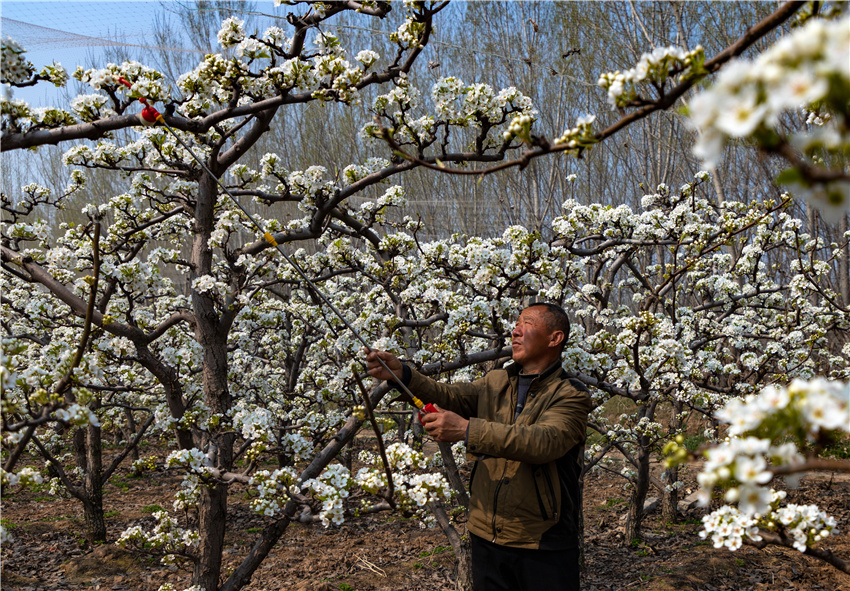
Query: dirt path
386	552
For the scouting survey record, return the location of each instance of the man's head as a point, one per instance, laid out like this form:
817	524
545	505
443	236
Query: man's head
539	336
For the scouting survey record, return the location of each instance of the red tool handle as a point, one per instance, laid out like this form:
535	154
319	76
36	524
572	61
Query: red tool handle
427	409
149	115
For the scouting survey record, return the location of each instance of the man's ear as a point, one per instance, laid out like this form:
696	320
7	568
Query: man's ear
556	338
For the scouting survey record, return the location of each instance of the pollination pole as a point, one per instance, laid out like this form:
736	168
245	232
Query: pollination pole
149	116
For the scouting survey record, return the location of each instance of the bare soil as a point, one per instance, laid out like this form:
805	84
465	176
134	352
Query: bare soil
386	552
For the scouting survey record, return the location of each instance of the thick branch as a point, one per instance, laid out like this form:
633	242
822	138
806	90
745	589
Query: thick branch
769	538
746	40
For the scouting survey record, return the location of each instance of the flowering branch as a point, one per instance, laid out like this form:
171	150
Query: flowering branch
664	102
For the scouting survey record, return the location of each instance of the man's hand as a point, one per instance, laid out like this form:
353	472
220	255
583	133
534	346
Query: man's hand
376	370
444	425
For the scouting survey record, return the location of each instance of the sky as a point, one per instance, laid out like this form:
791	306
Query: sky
70	32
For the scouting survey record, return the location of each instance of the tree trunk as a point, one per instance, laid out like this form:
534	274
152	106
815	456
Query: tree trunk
464	566
635	517
95	522
452	473
93	486
212	519
844	266
211	333
459	545
130	432
670	496
670	499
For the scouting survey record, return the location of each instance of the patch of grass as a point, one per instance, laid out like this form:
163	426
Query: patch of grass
418	565
8	524
115	513
694	441
254	530
740	561
42	499
614	502
120	482
435	551
839	448
61	518
345	587
152	508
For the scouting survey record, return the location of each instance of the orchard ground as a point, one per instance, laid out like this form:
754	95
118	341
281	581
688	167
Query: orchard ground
386	552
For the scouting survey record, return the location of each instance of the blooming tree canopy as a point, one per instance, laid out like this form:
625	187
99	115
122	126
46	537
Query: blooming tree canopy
166	303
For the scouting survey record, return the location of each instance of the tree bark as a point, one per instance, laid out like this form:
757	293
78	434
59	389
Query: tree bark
670	495
452	473
130	432
459	545
212	519
635	517
95	524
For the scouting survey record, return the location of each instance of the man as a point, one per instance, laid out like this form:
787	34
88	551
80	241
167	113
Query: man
526	425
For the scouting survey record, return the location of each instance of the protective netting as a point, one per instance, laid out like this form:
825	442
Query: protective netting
34	37
52	26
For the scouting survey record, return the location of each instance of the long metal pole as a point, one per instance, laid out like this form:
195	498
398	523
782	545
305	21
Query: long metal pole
270	239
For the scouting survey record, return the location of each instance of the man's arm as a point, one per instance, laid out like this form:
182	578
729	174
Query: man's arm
558	429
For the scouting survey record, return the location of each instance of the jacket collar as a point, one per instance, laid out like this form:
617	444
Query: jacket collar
554	369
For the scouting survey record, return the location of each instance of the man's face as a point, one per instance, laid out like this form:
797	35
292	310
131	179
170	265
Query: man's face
531	338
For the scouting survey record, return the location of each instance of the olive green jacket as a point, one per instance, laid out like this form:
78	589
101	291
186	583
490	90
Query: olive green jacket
526	475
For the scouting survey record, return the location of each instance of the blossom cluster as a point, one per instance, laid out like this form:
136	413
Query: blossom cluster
811	407
25	477
652	68
465	106
273	488
415	490
759	426
581	135
77	415
804	525
166	537
807	67
145	81
15	67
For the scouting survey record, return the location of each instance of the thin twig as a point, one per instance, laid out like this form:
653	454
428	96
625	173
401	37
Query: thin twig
368	404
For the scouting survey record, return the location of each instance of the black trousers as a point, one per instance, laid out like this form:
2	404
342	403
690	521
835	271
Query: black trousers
501	568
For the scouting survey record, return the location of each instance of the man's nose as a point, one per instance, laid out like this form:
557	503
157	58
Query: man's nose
516	332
